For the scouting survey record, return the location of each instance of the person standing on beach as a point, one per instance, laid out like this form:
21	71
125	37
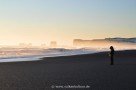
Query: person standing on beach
112	55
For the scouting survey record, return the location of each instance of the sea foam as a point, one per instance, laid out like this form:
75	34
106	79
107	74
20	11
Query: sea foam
17	55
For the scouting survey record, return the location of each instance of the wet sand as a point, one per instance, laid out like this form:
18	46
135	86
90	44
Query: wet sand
92	72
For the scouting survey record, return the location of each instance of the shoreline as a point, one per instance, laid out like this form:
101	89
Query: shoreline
40	57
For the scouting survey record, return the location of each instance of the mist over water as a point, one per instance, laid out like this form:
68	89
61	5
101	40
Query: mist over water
33	54
104	45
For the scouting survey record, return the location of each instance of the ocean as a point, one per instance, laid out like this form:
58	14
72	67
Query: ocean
35	54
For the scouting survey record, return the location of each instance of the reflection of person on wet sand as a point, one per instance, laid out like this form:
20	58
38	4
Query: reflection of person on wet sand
112	55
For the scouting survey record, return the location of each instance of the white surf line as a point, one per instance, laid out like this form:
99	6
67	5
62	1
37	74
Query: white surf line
39	57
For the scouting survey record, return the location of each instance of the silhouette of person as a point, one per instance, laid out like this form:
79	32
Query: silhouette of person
112	55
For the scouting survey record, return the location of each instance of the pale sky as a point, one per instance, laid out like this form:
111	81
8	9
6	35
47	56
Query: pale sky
42	21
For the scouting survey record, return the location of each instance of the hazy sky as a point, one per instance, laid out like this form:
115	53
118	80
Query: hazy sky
41	21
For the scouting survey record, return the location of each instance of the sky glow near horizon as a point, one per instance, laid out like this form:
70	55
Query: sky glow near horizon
42	21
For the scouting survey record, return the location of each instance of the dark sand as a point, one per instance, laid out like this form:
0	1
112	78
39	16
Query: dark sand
93	70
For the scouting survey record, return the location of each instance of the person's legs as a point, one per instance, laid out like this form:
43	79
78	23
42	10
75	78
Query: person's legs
112	63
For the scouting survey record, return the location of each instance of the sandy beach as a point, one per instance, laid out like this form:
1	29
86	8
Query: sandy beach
92	72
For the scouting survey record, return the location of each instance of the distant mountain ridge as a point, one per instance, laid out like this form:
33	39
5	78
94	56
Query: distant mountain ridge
118	39
81	42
